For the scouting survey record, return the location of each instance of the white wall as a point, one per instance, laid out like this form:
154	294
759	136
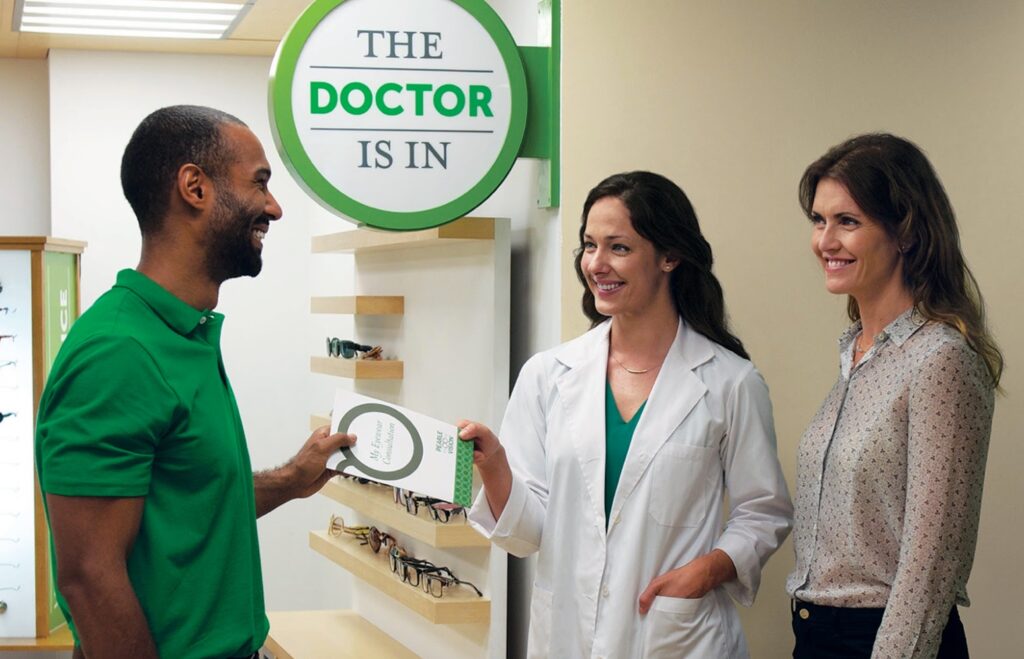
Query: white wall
24	134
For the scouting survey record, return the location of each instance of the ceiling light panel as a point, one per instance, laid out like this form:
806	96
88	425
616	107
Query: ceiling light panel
192	19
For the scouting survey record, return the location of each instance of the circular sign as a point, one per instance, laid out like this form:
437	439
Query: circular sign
399	114
350	459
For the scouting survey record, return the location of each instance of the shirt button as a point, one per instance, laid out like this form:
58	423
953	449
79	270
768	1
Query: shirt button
604	592
804	614
202	320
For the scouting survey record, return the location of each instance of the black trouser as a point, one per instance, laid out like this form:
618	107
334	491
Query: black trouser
828	632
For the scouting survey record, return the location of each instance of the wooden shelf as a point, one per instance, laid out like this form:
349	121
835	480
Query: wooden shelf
43	243
330	635
359	369
467	228
60	639
459	604
359	305
378	502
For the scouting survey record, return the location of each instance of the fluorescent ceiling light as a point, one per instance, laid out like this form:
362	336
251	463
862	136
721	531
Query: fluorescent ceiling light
175	19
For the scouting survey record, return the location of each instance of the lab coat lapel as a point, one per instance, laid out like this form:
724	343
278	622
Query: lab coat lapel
582	393
676	391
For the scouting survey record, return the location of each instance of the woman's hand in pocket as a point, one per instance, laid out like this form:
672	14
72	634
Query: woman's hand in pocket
691	581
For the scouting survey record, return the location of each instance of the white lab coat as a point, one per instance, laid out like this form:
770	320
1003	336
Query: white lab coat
707	427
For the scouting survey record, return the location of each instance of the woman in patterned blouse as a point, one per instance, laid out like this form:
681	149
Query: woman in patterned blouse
890	470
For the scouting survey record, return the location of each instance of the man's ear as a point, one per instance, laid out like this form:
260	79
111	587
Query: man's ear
193	186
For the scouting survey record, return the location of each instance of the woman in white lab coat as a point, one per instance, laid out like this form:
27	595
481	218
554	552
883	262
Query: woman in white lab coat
617	448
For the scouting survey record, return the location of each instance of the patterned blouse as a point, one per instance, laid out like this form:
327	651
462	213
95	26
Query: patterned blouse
889	483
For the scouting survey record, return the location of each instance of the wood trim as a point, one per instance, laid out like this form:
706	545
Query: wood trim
42	243
467	228
41	538
330	634
358	369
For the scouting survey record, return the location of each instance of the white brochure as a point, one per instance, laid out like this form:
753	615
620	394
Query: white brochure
399	447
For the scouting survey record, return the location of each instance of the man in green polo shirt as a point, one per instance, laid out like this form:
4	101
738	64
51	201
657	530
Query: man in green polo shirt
150	497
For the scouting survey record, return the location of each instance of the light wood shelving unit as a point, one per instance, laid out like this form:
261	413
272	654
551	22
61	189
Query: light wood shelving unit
459	604
469	261
359	305
330	635
358	369
378	502
466	228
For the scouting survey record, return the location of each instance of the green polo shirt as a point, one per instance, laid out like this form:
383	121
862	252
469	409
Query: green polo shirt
137	404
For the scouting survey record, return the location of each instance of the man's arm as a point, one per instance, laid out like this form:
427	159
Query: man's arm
301	476
92	537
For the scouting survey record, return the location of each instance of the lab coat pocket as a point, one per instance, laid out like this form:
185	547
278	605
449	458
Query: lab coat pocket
681	483
677	627
538	645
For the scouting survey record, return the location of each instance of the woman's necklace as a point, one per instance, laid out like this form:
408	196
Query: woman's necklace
856	345
630	370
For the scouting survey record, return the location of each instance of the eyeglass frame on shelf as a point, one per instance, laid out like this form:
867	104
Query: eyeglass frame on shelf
336	526
435	507
423	574
368	535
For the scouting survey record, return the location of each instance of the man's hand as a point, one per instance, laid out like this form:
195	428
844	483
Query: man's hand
303	475
691	581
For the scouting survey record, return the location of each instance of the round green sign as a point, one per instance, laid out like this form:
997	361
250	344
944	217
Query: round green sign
398	114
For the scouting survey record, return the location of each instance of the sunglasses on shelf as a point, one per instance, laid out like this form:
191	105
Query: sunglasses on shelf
349	349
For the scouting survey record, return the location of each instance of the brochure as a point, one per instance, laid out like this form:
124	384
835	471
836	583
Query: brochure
399	447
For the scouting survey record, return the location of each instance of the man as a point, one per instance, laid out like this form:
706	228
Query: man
150	497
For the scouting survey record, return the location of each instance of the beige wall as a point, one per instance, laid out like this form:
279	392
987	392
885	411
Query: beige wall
732	100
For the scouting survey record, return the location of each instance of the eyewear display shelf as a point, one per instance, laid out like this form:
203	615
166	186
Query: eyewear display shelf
39	300
450	329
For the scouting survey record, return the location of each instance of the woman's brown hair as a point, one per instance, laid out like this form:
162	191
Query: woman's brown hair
661	213
892	181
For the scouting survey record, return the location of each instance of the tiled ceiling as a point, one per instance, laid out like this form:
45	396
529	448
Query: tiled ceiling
258	34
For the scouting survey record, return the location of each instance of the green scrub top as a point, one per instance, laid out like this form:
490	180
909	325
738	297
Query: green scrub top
618	435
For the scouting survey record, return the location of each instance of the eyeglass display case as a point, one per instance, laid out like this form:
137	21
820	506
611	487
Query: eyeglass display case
438	302
39	301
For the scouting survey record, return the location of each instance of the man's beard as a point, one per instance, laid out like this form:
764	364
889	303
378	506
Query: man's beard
230	252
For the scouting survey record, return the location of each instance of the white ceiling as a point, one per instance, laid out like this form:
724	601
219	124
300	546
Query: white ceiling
258	34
